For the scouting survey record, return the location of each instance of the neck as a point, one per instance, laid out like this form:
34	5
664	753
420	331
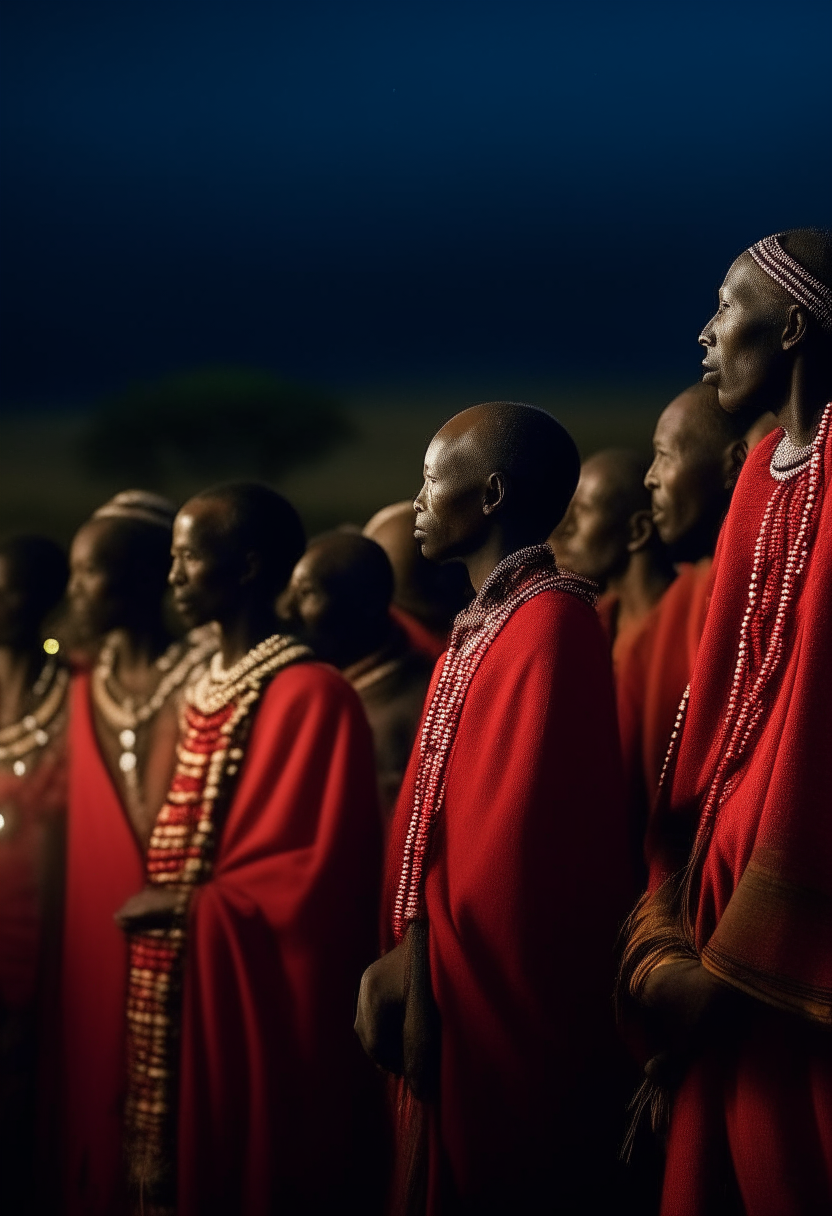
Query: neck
642	585
141	645
19	668
251	624
358	647
502	542
804	399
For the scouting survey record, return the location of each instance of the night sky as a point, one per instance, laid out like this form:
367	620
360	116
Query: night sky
357	193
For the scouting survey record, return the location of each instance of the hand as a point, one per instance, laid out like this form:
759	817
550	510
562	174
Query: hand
379	1021
684	1002
153	908
397	1020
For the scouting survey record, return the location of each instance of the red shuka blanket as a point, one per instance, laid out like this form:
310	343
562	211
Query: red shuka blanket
518	935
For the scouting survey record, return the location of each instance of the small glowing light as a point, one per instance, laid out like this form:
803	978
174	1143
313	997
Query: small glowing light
51	645
2	822
19	768
127	762
127	739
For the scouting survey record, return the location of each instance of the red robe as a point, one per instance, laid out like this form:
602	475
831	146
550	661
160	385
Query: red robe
518	935
752	1123
104	868
276	1097
652	672
276	1100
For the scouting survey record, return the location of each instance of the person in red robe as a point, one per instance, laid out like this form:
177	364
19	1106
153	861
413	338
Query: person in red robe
338	600
426	597
608	535
121	741
247	1093
698	451
492	998
728	959
33	684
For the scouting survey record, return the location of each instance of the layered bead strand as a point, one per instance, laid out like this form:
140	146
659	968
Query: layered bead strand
780	554
519	578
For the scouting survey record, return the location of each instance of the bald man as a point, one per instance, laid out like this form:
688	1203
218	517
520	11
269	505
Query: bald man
339	600
426	597
728	961
698	451
608	535
491	1000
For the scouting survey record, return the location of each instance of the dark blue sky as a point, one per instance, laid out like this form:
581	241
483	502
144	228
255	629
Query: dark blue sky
359	193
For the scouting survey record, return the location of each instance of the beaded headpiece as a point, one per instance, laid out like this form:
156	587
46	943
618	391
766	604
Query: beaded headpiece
142	505
815	296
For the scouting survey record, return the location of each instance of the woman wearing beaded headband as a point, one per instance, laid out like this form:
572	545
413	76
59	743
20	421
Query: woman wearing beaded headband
247	1091
492	1000
33	683
122	740
729	950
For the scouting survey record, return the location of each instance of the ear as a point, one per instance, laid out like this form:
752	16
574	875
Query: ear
640	529
733	461
495	493
795	328
252	567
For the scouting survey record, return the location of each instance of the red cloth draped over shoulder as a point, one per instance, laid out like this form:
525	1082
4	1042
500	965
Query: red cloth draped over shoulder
104	868
653	669
525	885
427	641
752	1125
276	1097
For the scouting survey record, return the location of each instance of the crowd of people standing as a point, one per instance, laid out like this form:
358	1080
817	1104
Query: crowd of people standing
476	862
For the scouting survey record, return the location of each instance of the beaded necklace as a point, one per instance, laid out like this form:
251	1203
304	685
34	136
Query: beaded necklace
781	552
180	662
20	739
216	719
516	580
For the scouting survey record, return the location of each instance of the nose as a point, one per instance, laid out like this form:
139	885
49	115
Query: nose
176	577
650	480
418	505
706	338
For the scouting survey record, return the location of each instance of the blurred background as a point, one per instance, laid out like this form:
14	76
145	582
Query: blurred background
288	240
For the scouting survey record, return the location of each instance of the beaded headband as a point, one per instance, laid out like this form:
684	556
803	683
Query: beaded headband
141	505
815	296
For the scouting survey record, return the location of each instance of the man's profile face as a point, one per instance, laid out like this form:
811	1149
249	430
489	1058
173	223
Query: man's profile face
450	521
95	591
743	355
309	604
686	479
592	540
205	574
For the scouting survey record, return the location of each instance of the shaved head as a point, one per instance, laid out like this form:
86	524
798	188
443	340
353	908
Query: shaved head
339	596
698	450
501	465
596	538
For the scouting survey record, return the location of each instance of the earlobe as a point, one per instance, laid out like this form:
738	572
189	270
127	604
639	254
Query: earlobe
735	459
795	328
640	527
252	566
495	493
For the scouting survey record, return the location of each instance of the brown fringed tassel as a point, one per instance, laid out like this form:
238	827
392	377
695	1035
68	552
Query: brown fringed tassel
656	1099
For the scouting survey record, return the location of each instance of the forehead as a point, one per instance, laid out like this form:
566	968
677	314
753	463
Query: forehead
201	519
677	425
94	540
454	447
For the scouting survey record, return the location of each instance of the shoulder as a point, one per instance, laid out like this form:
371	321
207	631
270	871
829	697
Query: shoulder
553	630
311	683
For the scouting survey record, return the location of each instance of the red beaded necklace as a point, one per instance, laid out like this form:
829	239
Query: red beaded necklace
516	580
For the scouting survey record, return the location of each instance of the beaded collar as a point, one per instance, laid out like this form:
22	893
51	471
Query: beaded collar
788	459
516	580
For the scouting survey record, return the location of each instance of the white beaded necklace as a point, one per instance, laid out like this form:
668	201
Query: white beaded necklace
217	687
788	459
20	739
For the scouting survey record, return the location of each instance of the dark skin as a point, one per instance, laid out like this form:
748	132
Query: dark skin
212	580
608	536
762	354
696	462
465	512
344	617
107	596
21	653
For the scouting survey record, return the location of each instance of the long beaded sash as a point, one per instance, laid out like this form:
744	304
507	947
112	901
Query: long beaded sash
518	579
180	856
